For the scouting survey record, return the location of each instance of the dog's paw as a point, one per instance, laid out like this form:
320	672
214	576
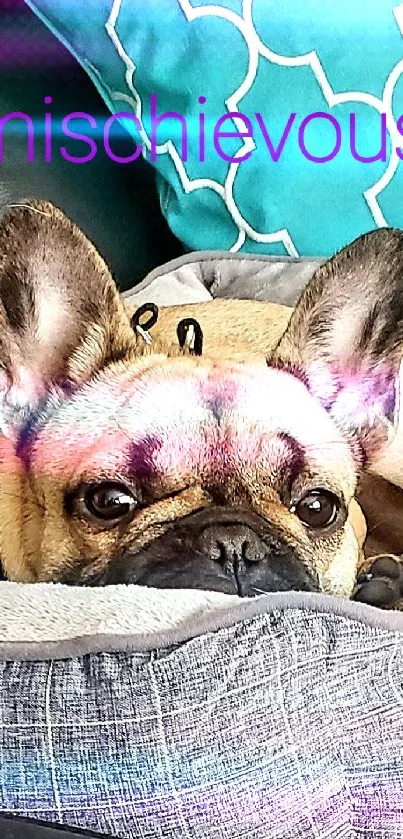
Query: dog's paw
381	583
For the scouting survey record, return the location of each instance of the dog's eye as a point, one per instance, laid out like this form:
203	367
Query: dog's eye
317	509
109	501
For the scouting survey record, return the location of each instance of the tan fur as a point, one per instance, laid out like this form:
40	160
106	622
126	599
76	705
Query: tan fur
238	330
37	538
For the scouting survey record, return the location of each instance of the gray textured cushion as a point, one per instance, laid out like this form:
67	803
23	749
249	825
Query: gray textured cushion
278	718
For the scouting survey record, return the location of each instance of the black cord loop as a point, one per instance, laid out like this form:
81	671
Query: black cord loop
196	344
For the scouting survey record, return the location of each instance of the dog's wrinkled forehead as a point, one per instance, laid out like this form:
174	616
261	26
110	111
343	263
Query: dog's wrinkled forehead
177	417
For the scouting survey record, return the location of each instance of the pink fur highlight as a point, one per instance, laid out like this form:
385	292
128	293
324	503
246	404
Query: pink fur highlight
179	419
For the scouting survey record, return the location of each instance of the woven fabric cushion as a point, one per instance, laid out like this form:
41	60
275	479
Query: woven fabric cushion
274	718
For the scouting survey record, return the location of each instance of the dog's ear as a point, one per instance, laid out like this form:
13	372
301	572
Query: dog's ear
61	317
345	338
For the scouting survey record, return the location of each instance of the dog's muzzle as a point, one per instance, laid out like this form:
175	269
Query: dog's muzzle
215	550
240	553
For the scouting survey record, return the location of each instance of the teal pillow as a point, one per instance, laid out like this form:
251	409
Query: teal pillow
320	88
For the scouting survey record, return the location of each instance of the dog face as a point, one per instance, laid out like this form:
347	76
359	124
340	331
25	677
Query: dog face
124	464
168	473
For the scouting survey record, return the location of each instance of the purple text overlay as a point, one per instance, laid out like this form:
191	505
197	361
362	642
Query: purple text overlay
205	134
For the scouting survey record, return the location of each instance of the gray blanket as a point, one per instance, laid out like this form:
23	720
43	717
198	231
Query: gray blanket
197	277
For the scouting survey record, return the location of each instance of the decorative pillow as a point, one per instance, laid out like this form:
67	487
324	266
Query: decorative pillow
320	91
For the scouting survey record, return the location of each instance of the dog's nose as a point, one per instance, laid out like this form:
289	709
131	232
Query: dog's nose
232	543
254	564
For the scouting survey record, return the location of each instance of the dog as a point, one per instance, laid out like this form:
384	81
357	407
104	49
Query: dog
234	470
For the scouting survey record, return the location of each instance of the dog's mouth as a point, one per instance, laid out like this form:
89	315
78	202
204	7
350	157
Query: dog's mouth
226	553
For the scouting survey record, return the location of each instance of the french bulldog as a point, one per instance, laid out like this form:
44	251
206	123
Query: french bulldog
234	470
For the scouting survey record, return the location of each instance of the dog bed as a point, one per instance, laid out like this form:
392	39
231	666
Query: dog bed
141	713
146	714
